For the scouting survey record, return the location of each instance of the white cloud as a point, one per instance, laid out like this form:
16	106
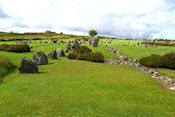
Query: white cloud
125	18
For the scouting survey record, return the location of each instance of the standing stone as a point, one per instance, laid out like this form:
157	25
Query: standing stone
25	41
90	41
28	66
40	57
68	47
52	55
54	40
60	52
93	41
75	44
66	50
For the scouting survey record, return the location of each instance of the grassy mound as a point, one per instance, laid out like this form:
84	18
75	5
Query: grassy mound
15	48
84	53
5	66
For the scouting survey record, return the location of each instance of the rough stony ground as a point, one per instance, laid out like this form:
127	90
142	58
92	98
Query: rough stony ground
165	81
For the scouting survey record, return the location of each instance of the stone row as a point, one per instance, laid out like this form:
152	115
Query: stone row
124	60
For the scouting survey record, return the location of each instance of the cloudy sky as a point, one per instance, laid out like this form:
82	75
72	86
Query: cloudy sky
121	18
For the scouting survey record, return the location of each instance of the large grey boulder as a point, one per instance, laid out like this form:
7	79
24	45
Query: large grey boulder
60	52
75	44
68	46
25	41
52	55
169	81
90	41
93	41
28	66
40	57
66	50
54	40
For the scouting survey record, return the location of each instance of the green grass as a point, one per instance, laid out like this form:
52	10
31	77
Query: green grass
102	50
138	52
79	88
168	72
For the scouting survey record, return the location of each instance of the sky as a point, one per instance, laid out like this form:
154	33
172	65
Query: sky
117	18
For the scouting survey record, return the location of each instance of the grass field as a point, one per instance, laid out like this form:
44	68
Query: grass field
79	88
138	52
168	72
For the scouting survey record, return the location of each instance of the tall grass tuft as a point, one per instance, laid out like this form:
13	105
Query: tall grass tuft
6	66
84	53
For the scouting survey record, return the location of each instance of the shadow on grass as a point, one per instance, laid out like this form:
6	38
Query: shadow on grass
40	72
50	63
